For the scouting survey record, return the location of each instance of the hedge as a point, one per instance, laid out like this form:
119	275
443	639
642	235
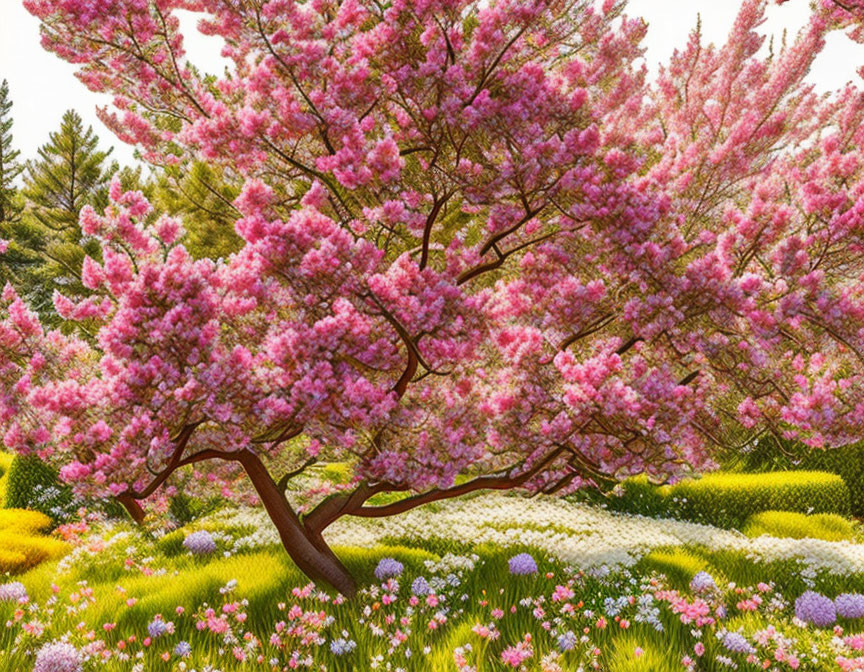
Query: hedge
32	484
5	463
847	463
771	454
827	526
185	509
20	552
24	522
22	545
729	499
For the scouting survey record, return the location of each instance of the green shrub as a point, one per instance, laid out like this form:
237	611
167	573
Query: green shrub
772	454
5	463
336	472
32	484
848	463
728	499
678	565
185	509
639	495
827	526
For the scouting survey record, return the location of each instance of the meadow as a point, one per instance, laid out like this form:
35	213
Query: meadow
490	582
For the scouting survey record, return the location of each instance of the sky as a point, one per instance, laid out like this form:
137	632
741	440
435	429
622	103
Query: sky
43	87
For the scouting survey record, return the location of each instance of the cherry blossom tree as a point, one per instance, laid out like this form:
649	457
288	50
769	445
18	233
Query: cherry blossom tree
478	242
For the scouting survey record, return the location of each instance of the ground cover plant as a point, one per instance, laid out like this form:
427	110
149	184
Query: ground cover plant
439	336
660	595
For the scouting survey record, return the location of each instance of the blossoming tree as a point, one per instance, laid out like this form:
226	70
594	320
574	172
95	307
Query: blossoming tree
478	243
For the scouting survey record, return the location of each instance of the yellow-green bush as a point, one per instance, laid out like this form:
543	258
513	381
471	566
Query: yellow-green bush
336	472
12	561
32	484
21	551
21	520
729	499
677	564
5	463
826	526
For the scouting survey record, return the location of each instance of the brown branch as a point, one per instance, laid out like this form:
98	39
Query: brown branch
177	461
689	378
283	482
180	441
501	235
629	344
414	357
594	327
480	483
427	229
334	507
472	273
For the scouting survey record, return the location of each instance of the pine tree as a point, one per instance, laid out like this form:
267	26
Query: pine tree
10	168
202	195
18	255
69	173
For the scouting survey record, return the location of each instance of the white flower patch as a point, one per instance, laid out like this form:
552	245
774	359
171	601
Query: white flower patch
579	534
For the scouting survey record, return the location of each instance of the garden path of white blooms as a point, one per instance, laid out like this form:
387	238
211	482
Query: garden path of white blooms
586	536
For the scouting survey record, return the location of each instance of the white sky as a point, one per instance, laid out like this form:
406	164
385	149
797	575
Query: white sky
43	87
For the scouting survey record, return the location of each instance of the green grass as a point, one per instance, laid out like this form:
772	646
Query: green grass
5	463
641	651
266	576
727	499
829	527
677	564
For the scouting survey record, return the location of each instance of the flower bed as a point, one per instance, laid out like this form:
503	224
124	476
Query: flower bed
498	611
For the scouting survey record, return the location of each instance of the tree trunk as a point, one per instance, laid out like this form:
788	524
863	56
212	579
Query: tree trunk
133	508
309	551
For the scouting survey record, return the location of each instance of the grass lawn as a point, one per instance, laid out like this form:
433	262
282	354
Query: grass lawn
611	592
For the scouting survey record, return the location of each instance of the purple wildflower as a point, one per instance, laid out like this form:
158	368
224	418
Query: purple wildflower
342	646
567	641
183	649
199	543
817	609
157	628
13	592
850	605
523	564
737	643
420	586
702	582
387	568
58	657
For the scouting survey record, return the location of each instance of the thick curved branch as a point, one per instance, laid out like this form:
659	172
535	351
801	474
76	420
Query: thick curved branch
414	356
283	482
480	483
177	460
334	507
427	229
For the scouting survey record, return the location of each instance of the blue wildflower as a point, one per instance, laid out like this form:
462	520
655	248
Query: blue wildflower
387	568
522	564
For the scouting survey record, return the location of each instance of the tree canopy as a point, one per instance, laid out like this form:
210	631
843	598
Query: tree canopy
477	241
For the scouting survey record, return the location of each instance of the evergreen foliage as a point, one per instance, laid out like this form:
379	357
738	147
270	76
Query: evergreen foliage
203	196
16	256
70	172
